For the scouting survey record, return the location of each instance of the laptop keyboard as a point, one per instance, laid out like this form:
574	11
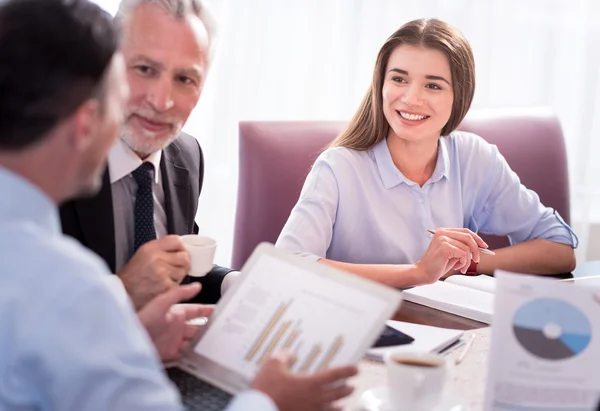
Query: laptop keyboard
197	394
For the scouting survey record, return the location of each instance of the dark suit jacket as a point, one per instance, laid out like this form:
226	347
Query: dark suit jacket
90	220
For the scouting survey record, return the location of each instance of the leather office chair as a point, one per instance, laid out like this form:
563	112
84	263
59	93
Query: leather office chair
275	158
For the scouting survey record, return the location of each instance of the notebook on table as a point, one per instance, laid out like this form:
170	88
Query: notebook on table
469	297
425	338
481	282
324	316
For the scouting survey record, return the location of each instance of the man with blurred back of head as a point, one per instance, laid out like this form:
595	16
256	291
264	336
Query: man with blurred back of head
69	336
166	45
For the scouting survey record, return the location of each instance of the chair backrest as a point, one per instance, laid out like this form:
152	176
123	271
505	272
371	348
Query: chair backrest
275	158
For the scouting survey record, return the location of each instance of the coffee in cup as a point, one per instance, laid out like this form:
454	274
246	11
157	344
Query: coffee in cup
416	362
415	380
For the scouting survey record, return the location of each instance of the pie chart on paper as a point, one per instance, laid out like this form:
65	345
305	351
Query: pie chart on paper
552	329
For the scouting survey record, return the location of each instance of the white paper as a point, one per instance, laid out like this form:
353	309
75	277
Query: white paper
545	351
480	282
455	299
427	339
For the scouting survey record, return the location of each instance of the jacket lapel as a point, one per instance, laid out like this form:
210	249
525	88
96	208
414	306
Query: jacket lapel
97	222
178	191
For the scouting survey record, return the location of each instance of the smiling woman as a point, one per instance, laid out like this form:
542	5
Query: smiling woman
400	169
417	103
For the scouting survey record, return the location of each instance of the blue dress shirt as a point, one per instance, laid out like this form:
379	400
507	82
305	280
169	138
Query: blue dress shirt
69	338
357	207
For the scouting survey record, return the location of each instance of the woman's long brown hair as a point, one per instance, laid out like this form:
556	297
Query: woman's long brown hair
369	125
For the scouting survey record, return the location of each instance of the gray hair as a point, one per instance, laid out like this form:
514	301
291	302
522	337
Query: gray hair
178	9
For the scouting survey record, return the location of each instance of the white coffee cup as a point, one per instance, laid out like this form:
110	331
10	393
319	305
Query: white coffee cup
202	253
415	380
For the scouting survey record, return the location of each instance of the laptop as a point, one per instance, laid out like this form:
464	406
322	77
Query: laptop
324	316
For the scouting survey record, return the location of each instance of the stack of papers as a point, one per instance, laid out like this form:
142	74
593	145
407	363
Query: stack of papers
427	339
544	352
480	282
455	299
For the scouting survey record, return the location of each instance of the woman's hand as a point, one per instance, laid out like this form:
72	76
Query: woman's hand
450	249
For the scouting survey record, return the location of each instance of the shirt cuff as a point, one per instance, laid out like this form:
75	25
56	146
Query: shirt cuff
310	256
251	400
228	281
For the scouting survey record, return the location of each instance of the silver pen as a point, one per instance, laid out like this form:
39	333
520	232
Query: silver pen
481	249
463	353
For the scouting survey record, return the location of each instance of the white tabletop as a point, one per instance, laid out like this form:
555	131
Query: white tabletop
466	382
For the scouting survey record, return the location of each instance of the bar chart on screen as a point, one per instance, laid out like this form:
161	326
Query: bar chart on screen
288	335
293	311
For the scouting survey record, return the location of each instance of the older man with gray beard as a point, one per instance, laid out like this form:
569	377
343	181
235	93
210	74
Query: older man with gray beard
150	189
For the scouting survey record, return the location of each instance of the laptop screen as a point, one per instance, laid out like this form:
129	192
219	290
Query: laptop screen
322	315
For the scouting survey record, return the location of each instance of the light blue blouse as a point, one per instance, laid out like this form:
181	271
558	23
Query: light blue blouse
357	207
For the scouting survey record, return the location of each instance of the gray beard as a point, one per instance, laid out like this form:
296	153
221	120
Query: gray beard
146	148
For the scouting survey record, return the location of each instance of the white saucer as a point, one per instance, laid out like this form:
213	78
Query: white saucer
377	399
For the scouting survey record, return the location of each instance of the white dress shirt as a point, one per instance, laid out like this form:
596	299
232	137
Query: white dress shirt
122	161
69	337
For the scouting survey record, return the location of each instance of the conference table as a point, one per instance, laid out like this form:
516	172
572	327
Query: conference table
466	382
